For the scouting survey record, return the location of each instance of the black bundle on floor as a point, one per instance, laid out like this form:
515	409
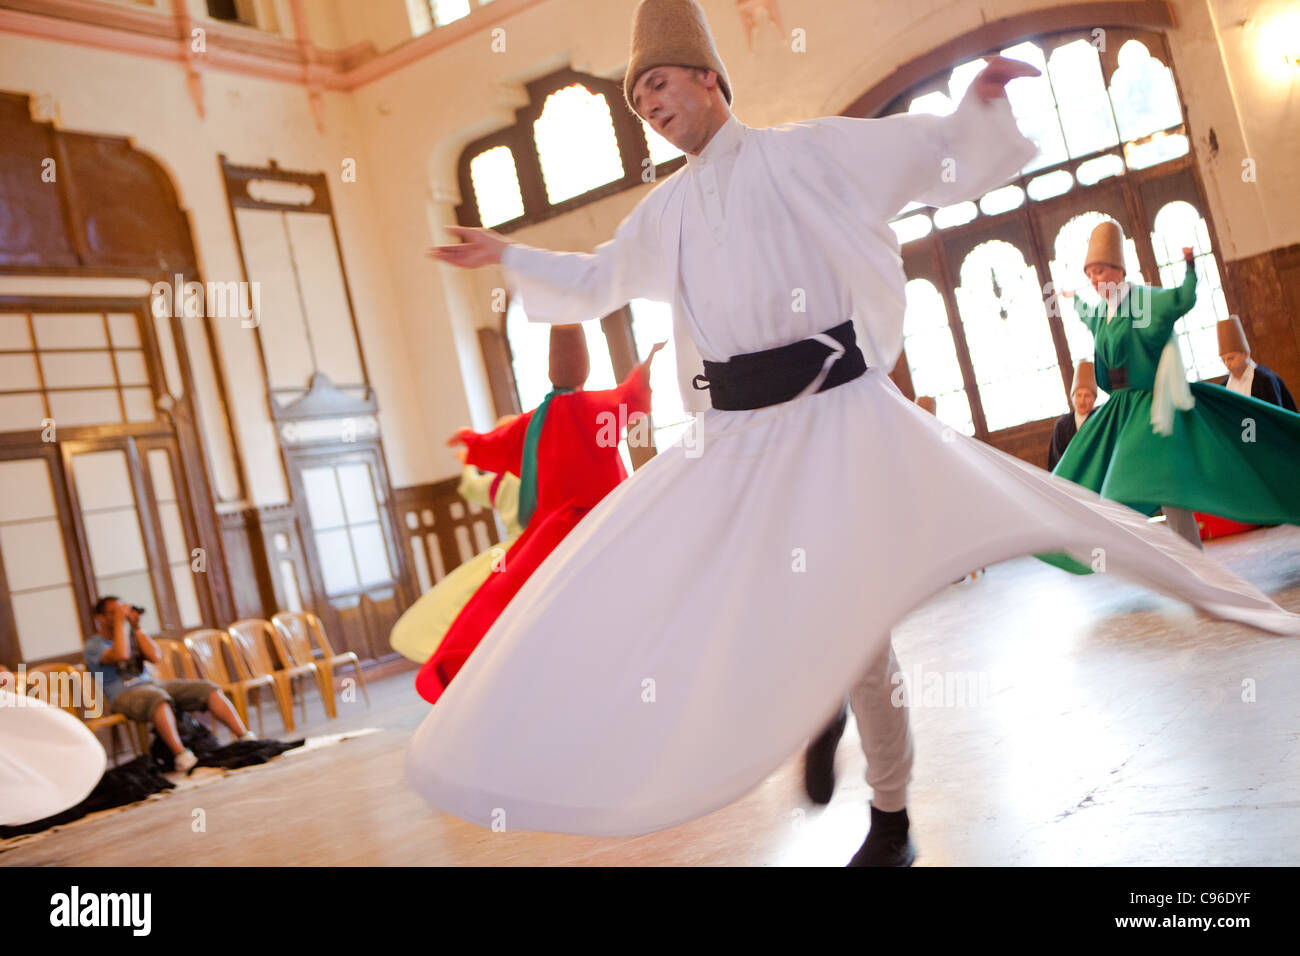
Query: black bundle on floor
119	786
144	775
241	753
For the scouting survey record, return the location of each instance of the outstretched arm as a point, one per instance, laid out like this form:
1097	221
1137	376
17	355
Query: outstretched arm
633	392
1183	296
568	287
935	160
501	449
1169	305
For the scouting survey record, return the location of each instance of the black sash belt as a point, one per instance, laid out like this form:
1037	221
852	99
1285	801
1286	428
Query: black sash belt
1118	378
773	376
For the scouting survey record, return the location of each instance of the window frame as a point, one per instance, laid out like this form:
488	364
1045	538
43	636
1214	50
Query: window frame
518	138
1133	198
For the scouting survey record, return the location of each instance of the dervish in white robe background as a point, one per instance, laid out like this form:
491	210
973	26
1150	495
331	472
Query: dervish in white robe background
702	621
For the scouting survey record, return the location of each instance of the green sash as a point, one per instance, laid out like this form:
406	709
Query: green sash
528	470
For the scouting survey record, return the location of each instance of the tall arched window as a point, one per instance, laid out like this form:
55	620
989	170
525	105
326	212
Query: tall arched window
982	325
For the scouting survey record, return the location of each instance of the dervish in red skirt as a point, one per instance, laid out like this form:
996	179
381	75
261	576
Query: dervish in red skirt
565	453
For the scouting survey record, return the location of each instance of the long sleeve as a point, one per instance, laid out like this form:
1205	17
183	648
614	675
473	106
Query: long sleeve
1086	315
1169	305
633	392
1181	298
501	449
935	160
568	287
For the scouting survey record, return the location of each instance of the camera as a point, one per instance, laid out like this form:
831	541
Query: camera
138	609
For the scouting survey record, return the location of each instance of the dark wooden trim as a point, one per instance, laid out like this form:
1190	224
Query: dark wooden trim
437	498
495	348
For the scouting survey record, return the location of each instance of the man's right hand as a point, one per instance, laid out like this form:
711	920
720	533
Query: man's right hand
479	247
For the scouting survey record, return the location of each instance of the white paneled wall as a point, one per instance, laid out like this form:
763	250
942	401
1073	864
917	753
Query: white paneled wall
36	564
109	515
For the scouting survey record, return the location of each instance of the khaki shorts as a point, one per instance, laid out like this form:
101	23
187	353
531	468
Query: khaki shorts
140	702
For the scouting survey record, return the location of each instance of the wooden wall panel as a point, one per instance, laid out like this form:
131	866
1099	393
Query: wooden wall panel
124	210
431	514
251	590
1264	290
32	231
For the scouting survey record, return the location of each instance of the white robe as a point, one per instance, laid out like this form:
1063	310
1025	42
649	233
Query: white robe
699	623
49	760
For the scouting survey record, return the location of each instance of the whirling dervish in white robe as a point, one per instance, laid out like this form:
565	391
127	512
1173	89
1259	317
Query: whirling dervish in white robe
695	628
49	760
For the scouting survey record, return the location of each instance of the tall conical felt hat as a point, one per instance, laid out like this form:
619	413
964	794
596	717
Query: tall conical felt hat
926	402
671	33
1106	245
1232	337
1085	376
570	362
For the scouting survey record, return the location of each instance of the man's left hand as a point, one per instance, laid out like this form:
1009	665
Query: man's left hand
992	80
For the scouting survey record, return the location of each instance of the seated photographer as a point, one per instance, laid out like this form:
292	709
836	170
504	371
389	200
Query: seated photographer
119	650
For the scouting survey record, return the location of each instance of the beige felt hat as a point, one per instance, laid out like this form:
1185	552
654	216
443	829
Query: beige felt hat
1106	245
570	361
1085	376
1232	337
671	33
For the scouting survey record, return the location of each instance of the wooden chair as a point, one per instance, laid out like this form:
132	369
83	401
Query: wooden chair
84	699
205	650
299	631
175	662
251	641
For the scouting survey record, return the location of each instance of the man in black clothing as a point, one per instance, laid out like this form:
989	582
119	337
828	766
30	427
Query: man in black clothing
1245	375
1083	397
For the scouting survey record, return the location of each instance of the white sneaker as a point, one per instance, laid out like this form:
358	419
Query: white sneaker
249	736
185	761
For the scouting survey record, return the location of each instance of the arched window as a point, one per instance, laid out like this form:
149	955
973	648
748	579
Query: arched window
982	329
575	142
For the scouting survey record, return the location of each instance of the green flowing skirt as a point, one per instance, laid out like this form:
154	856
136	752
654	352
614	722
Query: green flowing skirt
1230	455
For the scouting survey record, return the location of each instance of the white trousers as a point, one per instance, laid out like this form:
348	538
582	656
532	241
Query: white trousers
885	730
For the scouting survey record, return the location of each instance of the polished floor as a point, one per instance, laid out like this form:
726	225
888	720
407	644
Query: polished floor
1058	721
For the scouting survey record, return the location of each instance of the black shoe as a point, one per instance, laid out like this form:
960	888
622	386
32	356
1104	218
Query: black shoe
887	842
819	759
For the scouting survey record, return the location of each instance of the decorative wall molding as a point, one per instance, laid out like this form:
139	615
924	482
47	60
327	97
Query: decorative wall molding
234	48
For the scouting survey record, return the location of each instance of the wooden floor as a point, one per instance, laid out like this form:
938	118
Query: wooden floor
1111	729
